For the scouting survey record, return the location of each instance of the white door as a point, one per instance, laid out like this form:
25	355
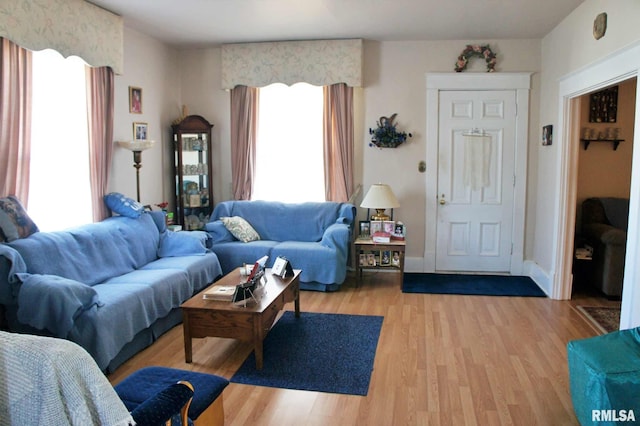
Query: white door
476	150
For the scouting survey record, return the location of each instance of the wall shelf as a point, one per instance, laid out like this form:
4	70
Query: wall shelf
615	142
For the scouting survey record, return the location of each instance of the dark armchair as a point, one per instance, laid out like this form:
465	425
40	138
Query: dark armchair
604	227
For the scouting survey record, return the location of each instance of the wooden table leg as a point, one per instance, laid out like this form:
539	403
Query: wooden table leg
258	350
296	304
187	339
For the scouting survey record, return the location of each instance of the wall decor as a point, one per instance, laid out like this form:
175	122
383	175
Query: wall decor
386	135
547	134
140	131
603	106
476	50
600	26
135	100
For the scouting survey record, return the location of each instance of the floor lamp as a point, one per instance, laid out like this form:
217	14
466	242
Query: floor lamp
137	147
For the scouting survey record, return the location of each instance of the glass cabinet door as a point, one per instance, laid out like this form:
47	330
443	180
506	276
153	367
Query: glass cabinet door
194	195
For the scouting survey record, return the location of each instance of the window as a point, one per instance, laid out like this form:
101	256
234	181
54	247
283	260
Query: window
289	152
59	189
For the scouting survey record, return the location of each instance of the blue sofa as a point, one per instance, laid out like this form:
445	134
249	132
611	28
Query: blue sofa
113	287
314	237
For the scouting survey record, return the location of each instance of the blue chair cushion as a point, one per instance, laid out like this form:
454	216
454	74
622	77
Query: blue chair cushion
604	374
149	381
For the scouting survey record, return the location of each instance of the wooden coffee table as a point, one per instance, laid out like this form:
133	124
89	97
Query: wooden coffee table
212	318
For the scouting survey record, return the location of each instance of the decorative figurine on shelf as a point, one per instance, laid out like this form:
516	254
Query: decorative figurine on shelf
386	135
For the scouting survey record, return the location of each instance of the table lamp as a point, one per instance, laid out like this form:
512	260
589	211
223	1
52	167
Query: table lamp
137	146
380	197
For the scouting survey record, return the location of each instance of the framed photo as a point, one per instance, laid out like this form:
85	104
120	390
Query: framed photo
603	106
547	134
140	131
388	226
376	226
385	258
395	259
364	229
135	100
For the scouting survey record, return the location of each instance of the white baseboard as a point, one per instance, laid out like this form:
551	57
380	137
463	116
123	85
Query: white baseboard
538	275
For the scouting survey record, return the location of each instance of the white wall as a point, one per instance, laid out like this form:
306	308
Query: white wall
574	62
150	65
567	49
394	83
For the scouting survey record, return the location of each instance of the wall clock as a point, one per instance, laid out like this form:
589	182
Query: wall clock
600	26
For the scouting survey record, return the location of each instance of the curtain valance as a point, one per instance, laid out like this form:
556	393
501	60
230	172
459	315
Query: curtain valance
318	62
72	27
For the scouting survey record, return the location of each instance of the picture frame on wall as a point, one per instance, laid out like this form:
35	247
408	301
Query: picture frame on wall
135	100
547	134
603	106
140	131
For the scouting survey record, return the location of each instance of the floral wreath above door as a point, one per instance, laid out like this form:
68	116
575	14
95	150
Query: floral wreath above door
476	50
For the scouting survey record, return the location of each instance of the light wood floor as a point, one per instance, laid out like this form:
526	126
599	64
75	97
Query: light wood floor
441	360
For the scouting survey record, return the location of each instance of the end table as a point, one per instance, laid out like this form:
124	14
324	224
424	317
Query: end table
372	255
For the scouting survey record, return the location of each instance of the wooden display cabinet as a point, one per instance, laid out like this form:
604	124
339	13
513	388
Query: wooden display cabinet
193	174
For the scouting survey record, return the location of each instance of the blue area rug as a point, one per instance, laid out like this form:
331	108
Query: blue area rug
317	352
479	285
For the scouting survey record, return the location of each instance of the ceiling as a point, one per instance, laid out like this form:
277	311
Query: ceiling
203	23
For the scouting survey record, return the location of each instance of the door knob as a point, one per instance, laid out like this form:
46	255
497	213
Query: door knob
442	202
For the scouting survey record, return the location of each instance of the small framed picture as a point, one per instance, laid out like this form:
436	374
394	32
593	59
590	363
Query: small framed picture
547	134
388	226
135	100
376	226
364	229
140	131
385	258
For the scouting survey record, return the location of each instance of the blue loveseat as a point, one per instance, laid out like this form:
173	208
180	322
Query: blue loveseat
314	237
113	287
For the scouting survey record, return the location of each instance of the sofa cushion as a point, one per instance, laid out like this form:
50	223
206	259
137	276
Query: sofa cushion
233	254
132	302
316	258
15	223
202	270
124	206
240	229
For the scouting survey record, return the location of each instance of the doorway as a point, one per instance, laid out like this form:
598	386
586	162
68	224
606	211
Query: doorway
606	131
437	85
611	70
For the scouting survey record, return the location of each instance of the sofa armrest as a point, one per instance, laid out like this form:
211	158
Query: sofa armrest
605	234
219	233
336	236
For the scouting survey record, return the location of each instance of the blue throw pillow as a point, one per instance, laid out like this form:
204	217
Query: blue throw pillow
122	205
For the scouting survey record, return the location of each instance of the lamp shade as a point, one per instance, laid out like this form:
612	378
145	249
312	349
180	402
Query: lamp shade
137	145
380	196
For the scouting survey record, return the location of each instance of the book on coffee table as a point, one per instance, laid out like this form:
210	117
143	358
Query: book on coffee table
220	292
